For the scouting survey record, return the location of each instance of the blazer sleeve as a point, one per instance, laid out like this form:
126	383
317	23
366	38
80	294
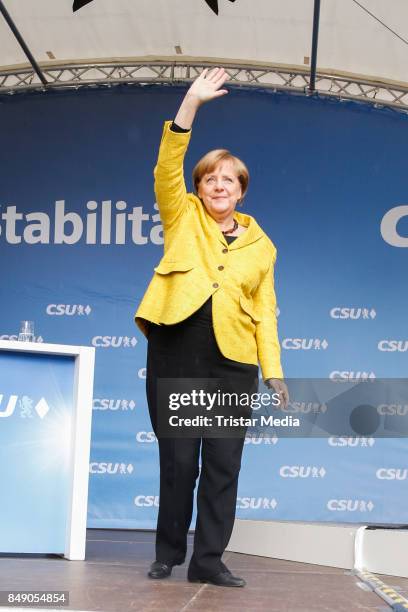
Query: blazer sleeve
169	184
266	333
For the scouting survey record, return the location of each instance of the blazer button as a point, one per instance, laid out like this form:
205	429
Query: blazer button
225	250
215	285
220	267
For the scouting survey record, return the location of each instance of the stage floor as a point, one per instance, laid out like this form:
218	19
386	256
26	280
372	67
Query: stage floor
113	579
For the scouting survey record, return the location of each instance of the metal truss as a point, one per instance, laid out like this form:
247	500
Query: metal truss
167	72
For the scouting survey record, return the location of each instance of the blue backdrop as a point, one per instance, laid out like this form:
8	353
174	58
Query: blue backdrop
80	235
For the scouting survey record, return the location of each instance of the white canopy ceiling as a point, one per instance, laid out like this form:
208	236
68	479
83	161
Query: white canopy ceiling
253	31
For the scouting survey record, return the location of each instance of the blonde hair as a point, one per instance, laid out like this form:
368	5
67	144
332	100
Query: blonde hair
209	162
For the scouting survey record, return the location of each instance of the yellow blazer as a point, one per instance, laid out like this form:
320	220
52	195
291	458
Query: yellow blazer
198	263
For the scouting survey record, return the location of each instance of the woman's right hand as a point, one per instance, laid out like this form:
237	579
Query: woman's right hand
207	85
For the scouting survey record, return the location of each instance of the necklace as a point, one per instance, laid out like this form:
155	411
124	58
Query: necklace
232	230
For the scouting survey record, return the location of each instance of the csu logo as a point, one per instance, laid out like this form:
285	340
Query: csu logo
350	505
15	337
306	407
146	436
302	471
389	225
350	375
256	503
147	500
110	468
114	342
393	409
393	345
304	344
361	442
25	405
68	309
261	439
339	312
113	404
392	473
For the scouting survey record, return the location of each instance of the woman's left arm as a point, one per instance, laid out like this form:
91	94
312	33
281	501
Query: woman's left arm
266	333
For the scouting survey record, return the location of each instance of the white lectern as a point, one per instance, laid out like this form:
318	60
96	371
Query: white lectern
46	395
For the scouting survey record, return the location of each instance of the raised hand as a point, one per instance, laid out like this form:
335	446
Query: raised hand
206	86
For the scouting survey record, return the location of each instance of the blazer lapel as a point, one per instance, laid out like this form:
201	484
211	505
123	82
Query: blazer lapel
252	233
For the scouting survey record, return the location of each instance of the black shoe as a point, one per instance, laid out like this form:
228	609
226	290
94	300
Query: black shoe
225	579
159	570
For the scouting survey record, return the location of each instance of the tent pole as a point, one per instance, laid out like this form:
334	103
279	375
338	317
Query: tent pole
22	43
316	18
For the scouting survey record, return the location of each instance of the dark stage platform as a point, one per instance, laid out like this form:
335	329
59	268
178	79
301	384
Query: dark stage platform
113	579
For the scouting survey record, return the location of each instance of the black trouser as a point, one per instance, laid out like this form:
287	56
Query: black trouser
189	350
